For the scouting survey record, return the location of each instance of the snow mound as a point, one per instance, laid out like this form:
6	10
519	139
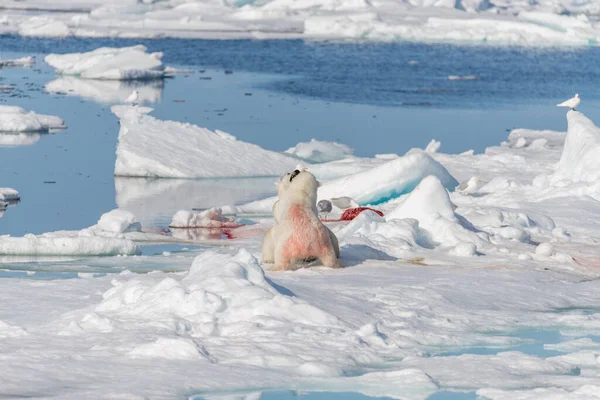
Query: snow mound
211	218
430	204
18	62
187	151
580	160
317	151
125	63
8	194
376	185
15	119
118	221
103	239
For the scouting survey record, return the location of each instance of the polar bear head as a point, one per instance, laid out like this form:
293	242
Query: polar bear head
300	187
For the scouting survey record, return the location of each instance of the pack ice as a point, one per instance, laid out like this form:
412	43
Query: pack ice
125	63
544	22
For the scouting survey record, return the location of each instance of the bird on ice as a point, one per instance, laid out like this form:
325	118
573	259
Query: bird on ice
324	207
344	202
133	98
571	103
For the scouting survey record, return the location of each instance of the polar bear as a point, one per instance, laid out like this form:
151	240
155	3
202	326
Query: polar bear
298	234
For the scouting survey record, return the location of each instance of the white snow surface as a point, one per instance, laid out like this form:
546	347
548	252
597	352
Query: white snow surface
16	119
104	239
187	151
442	276
539	23
109	63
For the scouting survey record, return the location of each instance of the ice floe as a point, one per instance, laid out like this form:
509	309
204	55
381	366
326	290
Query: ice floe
211	218
125	63
16	119
104	239
317	151
18	62
188	151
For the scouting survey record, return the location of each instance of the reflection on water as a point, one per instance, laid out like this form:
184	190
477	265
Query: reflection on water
8	139
155	201
106	91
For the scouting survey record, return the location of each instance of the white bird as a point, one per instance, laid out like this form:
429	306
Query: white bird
470	186
344	202
571	103
133	98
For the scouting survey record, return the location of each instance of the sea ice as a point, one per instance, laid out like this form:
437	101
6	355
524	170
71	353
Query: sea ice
188	151
125	63
317	151
18	62
9	195
15	119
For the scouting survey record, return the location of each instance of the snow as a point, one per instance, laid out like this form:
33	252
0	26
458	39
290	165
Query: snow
540	23
16	119
108	63
104	239
188	151
580	160
317	151
447	291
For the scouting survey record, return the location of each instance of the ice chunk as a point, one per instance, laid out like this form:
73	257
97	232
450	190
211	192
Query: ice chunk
15	119
580	160
118	221
375	185
9	195
319	152
430	204
18	62
58	245
187	151
125	63
210	218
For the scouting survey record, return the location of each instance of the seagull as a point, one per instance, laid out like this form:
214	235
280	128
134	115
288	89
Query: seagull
344	202
324	207
133	98
571	103
470	186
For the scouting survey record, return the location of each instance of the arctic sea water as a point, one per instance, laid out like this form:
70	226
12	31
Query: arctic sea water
377	98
